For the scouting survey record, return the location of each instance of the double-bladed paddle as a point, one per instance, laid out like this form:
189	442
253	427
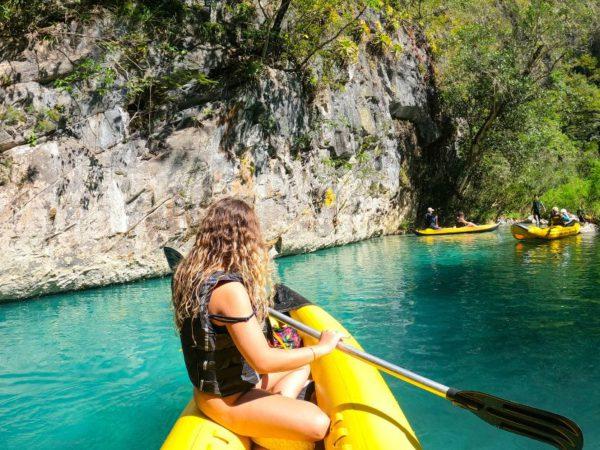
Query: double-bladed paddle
532	422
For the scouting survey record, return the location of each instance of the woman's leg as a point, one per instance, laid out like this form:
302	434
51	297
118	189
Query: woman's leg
288	384
258	413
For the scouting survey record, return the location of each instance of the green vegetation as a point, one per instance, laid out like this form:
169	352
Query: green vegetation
579	192
6	164
519	79
10	115
338	162
87	70
32	139
142	51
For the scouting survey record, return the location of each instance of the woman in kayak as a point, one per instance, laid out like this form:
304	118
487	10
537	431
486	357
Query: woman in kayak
221	295
462	222
567	219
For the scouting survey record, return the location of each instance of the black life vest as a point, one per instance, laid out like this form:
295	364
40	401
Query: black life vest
213	362
555	220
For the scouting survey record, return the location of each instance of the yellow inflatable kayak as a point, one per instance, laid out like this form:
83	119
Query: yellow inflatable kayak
364	413
522	232
458	230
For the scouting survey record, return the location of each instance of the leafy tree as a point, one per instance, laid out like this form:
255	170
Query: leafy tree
508	78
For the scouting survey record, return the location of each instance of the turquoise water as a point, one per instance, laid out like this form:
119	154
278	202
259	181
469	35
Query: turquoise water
102	368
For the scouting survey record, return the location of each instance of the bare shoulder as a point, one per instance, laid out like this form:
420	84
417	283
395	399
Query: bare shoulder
230	299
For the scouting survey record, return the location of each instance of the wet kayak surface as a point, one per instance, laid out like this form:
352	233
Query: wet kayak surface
102	368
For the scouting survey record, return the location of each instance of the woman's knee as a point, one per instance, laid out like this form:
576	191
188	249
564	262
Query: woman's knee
318	427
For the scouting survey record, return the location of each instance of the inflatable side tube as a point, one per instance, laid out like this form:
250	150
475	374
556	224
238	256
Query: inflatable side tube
364	413
457	230
194	431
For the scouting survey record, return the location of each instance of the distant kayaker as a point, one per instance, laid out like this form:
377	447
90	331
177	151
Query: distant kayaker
431	219
566	218
536	209
221	295
462	222
555	218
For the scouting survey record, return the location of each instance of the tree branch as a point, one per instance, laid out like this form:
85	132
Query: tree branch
281	12
497	109
534	58
551	68
275	28
333	38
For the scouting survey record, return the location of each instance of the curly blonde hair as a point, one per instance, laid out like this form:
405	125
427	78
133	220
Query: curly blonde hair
230	239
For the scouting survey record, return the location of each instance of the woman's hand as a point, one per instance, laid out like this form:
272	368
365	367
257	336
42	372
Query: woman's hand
329	340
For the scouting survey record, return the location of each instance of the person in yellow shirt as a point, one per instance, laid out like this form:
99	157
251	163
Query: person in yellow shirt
555	218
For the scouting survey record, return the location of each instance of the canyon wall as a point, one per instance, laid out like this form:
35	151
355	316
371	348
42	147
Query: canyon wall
87	201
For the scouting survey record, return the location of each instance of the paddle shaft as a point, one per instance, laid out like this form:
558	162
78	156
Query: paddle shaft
381	364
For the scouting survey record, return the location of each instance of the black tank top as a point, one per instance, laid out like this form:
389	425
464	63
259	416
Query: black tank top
213	362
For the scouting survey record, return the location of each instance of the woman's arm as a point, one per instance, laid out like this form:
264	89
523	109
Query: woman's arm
231	300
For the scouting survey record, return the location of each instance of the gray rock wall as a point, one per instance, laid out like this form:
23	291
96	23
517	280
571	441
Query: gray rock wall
86	202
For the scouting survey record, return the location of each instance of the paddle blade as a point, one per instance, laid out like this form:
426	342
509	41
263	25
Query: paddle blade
534	423
173	257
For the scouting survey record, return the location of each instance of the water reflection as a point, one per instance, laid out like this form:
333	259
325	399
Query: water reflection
459	239
544	252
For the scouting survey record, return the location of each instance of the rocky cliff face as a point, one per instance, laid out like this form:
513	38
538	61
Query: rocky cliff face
86	201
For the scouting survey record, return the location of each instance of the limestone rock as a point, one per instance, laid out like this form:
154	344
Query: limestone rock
91	203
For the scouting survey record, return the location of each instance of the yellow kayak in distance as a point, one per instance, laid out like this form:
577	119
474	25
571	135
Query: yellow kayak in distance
522	232
458	230
364	413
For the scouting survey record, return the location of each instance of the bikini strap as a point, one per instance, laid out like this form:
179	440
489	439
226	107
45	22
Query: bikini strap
213	281
226	319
